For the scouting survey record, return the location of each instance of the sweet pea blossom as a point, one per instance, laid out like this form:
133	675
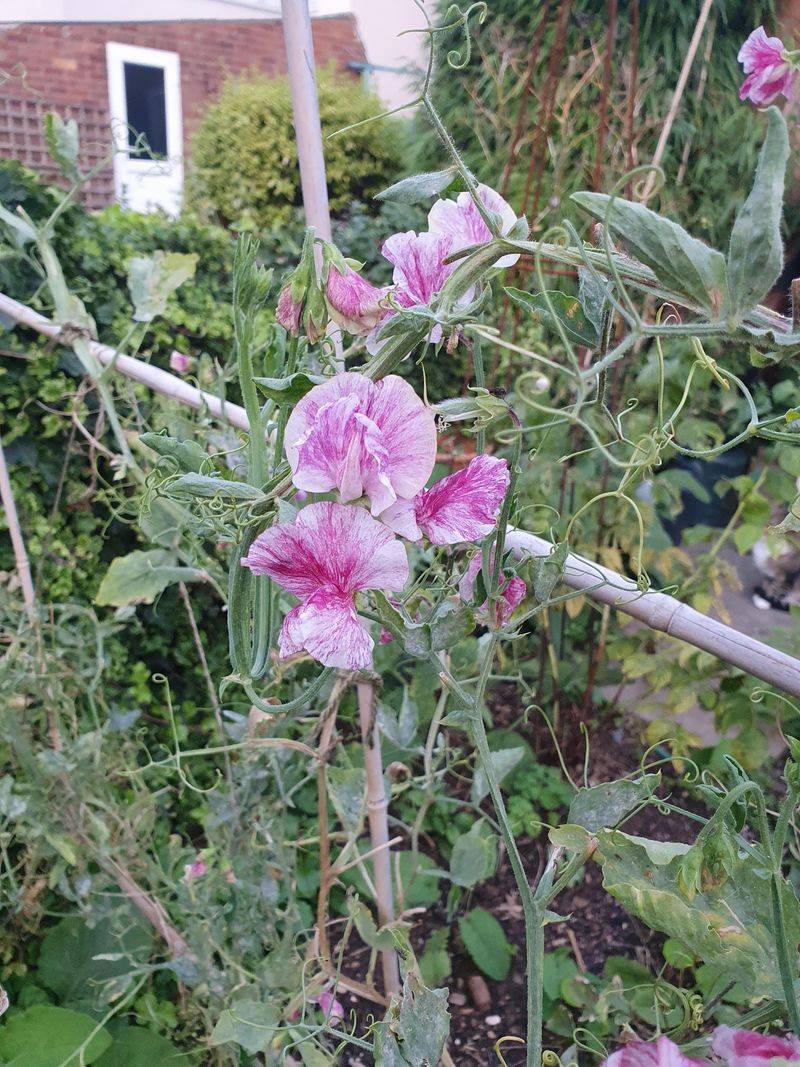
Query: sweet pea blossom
659	1053
768	72
179	362
460	507
194	870
355	304
362	437
743	1048
330	1007
461	221
512	591
327	555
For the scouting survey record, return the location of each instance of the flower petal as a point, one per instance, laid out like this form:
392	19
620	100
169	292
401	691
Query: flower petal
460	220
419	270
357	436
332	547
659	1053
328	628
463	506
354	303
744	1048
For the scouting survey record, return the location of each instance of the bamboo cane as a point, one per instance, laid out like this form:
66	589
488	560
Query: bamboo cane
377	814
17	540
662	612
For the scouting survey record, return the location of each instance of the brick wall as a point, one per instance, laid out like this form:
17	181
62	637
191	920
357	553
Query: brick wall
62	67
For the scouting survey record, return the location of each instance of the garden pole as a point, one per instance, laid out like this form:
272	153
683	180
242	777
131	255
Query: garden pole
17	540
377	813
300	64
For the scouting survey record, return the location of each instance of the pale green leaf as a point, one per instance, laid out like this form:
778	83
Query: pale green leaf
153	279
62	143
139	577
247	1023
609	803
503	762
418	187
46	1036
486	942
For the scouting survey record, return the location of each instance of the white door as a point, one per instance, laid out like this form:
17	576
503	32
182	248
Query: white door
144	90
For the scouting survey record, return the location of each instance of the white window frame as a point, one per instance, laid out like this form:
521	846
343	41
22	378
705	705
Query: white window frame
117	55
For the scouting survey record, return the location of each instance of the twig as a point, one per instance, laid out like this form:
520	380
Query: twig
675	104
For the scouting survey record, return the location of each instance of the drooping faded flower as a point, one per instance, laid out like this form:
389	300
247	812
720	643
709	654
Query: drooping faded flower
744	1048
769	74
327	555
362	438
353	302
659	1053
512	591
330	1007
460	507
462	222
289	311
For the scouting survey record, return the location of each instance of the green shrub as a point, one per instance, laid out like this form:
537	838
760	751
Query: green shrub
244	154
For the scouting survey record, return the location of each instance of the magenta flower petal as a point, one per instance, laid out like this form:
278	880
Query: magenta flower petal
659	1053
325	557
744	1048
512	591
354	303
327	627
362	437
463	506
769	75
460	220
179	362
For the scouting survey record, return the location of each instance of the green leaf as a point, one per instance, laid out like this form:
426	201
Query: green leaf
207	486
62	143
346	787
367	928
139	577
546	571
729	925
593	294
67	957
755	256
189	455
561	308
676	954
486	942
153	279
289	390
413	1032
503	761
559	967
474	856
21	231
419	884
452	622
402	729
434	963
45	1036
572	838
791	522
418	187
135	1046
609	803
247	1023
679	261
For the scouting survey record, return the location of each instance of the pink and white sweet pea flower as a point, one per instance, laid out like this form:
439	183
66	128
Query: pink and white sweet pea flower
744	1048
460	507
461	221
512	591
362	437
327	555
659	1053
354	303
768	73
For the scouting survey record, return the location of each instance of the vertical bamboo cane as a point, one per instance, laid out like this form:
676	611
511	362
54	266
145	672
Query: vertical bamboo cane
377	813
17	540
